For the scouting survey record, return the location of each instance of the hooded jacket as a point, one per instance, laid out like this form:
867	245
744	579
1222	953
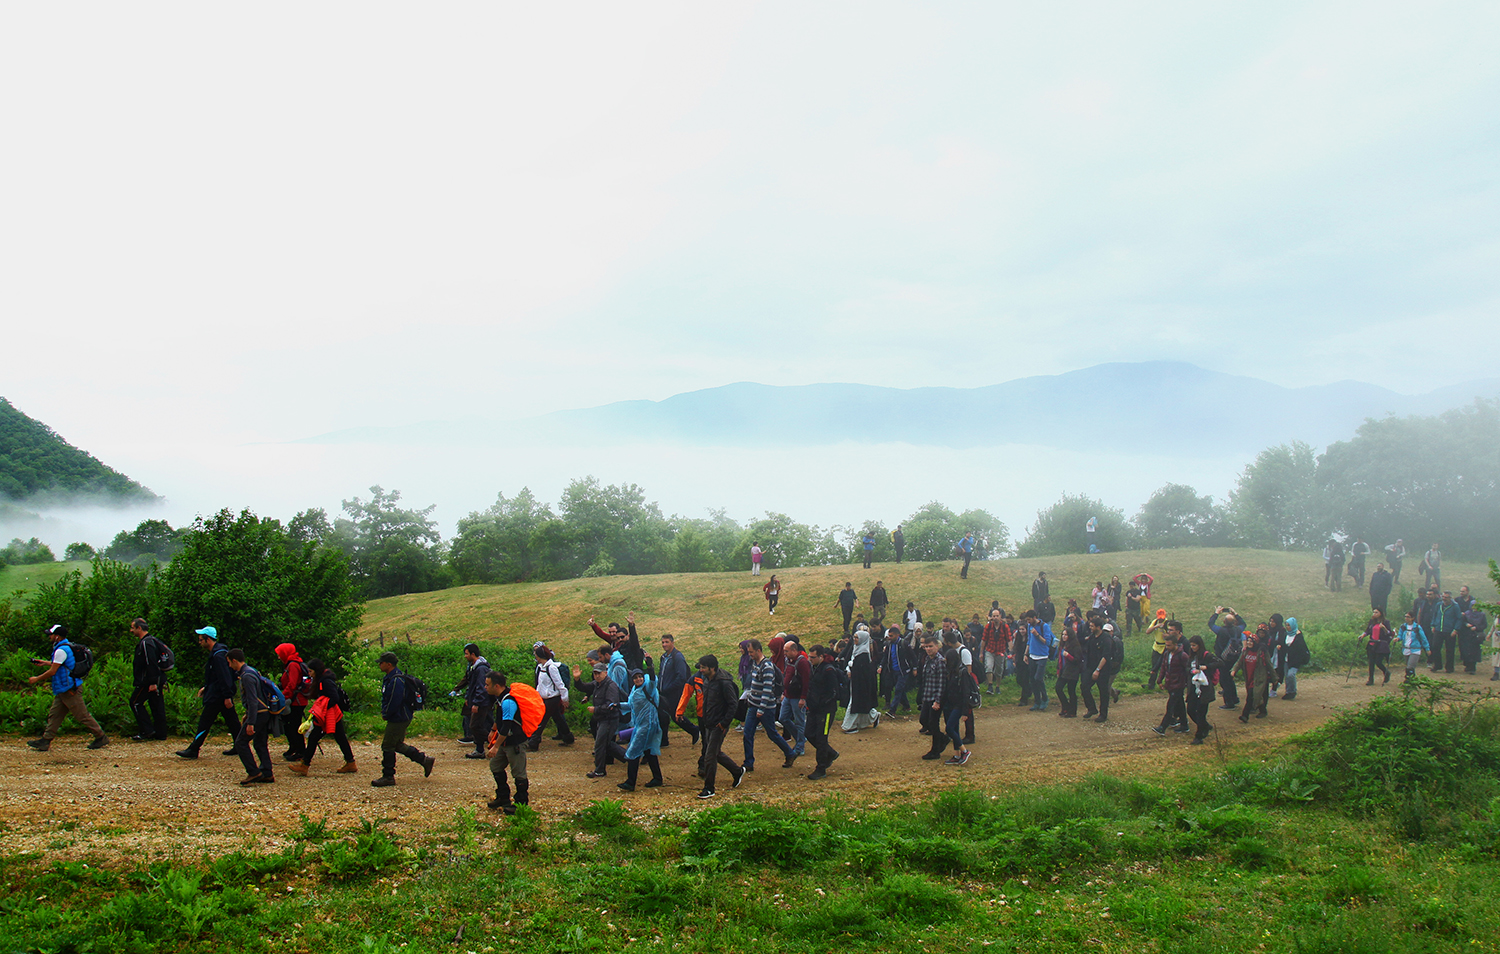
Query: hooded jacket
294	680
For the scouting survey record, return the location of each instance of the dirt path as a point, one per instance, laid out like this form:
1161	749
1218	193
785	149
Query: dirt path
139	799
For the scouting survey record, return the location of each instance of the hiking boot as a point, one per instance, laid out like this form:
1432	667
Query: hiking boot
99	742
384	781
299	768
41	745
427	764
500	805
817	773
346	769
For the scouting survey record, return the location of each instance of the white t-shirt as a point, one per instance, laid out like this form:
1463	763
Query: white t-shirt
60	656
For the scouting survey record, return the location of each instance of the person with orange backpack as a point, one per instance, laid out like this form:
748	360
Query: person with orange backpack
519	709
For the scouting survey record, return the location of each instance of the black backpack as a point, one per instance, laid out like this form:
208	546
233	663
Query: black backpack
416	691
1114	652
83	661
166	660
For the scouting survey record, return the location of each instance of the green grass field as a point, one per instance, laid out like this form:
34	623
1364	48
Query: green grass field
711	612
23	579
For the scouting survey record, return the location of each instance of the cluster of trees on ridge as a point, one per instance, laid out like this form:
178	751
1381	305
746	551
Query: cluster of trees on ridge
38	461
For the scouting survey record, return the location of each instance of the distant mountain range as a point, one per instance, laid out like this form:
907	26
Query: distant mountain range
1159	407
35	461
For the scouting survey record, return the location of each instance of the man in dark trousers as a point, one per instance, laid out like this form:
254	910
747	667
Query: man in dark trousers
1039	591
477	702
672	675
848	599
217	693
1380	588
898	540
1443	636
397	708
878	602
822	707
606	698
966	547
254	739
719	704
145	698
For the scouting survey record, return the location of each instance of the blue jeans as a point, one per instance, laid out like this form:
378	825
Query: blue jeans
955	718
1038	681
1291	681
898	694
794	717
767	719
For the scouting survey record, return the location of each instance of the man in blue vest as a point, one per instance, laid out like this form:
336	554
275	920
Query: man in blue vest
67	693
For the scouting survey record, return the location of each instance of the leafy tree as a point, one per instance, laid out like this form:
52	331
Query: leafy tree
78	551
1061	528
1419	478
27	552
710	545
245	576
690	552
1176	516
504	544
1276	504
855	543
933	532
991	535
154	539
616	524
310	526
784	543
391	550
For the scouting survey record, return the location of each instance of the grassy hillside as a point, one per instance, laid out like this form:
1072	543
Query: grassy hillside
26	578
711	612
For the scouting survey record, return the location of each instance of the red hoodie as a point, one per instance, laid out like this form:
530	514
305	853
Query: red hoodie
294	677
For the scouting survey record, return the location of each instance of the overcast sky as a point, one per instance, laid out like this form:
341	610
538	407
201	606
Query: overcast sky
226	224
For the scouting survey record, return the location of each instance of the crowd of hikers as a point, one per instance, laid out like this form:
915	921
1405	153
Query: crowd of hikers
791	689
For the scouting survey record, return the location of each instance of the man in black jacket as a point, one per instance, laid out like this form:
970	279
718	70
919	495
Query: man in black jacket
1039	591
145	699
720	700
848	599
217	693
822	707
478	703
1380	588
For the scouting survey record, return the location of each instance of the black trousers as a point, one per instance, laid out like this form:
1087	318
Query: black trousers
552	710
1230	691
1197	709
339	736
479	727
1441	655
605	746
295	747
150	712
964	573
819	724
1067	693
212	709
1105	682
1176	713
848	615
256	746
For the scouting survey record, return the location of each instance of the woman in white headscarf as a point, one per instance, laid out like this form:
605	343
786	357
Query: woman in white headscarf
864	696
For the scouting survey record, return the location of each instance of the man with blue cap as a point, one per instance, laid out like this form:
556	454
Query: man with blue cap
217	693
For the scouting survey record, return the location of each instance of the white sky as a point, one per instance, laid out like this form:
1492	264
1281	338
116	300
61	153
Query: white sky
222	225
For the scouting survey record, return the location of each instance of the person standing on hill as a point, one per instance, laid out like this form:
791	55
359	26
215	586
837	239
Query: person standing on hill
1380	588
607	698
1471	627
1091	530
869	543
67	693
1394	554
1432	566
1335	566
966	547
796	675
772	590
1133	607
912	617
1413	643
898	540
1358	550
1039	591
397	708
1443	635
217	693
146	696
878	602
1297	656
1256	665
1116	591
755	557
847	600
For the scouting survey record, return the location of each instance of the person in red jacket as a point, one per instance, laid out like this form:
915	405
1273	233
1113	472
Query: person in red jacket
294	685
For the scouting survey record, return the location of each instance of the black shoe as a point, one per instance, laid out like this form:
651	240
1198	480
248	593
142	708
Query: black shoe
739	778
595	774
140	738
790	761
534	748
384	781
1229	705
230	752
1158	730
249	779
187	754
427	764
626	786
817	773
474	755
1114	695
654	783
567	742
1260	715
968	740
1196	742
41	745
100	741
1179	728
465	741
707	793
1102	719
159	738
929	756
1244	718
264	778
